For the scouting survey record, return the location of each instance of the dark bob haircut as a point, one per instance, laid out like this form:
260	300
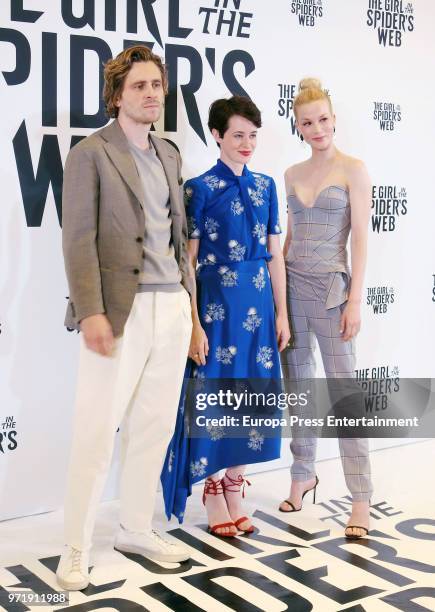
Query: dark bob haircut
222	110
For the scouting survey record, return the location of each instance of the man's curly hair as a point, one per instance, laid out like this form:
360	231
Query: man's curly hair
116	70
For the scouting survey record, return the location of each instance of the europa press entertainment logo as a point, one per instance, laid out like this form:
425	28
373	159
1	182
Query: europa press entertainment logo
391	19
387	114
8	435
380	298
389	203
307	11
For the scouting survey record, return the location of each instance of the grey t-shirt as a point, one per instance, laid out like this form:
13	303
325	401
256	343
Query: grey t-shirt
160	270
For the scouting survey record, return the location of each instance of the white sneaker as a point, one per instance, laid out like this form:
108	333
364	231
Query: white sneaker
73	570
150	544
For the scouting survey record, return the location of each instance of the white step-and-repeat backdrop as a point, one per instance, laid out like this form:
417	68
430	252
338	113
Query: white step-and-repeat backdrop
376	59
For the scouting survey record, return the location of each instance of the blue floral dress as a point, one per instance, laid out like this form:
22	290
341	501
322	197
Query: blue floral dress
231	216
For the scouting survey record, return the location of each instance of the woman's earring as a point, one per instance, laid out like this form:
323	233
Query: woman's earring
334	129
301	137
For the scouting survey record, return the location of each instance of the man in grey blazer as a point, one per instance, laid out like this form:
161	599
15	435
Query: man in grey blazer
124	243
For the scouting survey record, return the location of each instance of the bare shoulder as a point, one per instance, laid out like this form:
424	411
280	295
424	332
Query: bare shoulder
358	181
355	168
292	173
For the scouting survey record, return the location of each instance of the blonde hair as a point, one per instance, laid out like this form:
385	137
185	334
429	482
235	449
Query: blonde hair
310	90
116	70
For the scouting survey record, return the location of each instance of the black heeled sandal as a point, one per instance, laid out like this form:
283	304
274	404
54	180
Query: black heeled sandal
293	509
353	536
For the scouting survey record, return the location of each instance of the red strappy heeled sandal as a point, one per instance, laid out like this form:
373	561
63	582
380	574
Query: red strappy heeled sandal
215	487
234	487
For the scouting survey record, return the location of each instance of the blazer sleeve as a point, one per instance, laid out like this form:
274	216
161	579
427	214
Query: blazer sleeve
187	280
80	204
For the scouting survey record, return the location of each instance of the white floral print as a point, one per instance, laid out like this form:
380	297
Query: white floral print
225	355
171	460
215	312
252	321
237	251
193	229
216	432
261	184
211	227
197	468
199	381
259	280
256	196
255	440
208	260
260	231
264	356
214	182
229	277
237	207
182	405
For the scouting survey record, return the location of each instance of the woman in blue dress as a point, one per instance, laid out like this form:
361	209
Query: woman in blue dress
239	313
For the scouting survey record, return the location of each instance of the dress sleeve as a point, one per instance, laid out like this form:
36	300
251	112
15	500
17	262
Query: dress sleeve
194	200
273	226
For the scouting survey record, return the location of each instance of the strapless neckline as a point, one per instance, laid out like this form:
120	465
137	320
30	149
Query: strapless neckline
318	195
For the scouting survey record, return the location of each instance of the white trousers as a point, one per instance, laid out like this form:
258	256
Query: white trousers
139	386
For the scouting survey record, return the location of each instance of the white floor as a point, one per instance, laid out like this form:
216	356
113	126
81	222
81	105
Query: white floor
295	562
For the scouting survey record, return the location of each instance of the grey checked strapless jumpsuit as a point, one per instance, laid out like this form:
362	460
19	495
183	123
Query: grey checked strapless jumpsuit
318	278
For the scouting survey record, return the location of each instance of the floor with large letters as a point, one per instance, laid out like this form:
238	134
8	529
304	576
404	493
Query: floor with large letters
292	562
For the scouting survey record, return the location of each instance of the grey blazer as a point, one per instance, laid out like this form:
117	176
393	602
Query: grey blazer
103	224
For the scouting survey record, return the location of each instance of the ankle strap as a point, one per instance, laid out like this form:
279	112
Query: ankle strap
235	484
212	487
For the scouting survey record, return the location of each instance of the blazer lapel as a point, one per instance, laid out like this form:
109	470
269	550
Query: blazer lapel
117	149
169	163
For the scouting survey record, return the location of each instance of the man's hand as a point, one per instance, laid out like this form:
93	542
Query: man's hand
98	334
